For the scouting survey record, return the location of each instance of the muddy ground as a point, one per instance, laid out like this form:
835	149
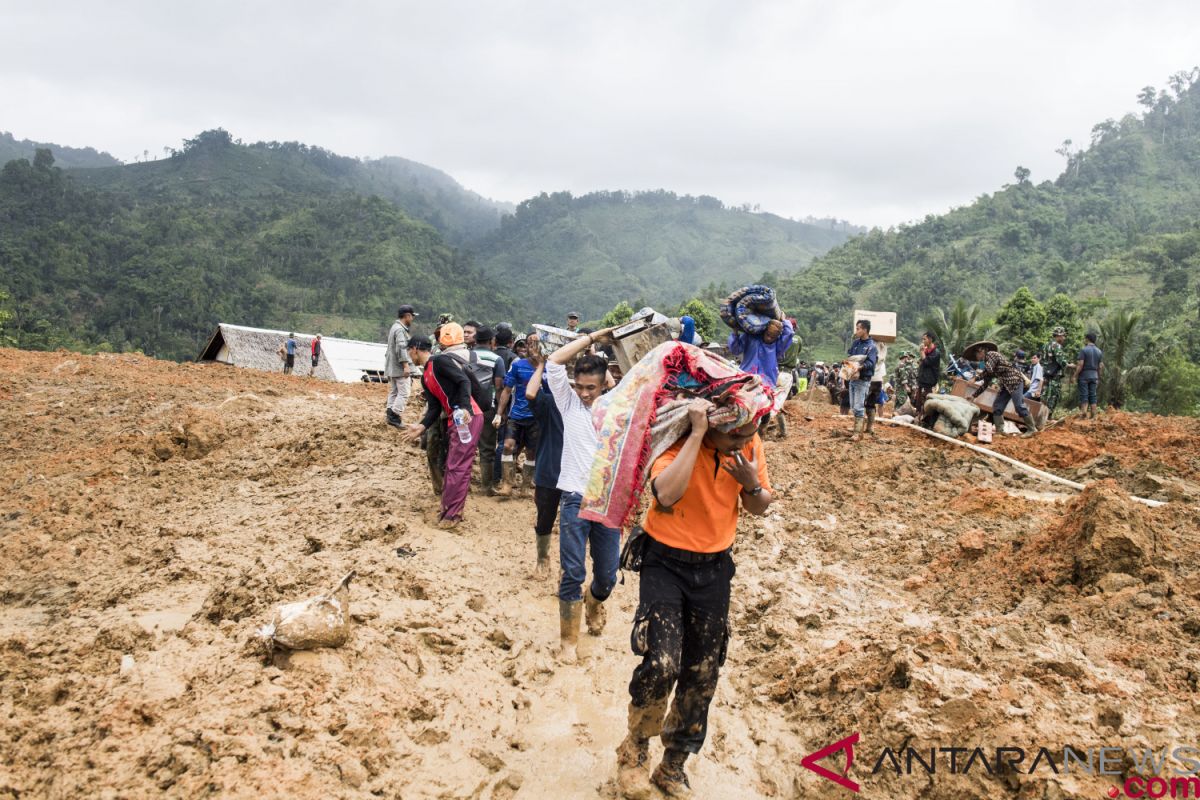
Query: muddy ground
155	514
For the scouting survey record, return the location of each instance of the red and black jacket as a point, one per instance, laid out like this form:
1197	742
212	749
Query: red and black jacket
447	386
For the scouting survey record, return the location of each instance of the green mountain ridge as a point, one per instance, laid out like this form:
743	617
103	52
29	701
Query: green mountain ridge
1117	229
11	148
151	255
218	169
656	246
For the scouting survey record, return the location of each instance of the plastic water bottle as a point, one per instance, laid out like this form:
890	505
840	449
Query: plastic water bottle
463	427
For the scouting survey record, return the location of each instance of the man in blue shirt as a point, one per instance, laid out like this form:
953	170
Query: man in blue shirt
863	345
1088	367
519	426
288	351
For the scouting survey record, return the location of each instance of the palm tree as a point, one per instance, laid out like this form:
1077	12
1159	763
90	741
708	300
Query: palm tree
960	328
1116	340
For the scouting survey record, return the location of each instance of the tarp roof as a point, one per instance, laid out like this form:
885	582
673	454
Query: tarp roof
343	360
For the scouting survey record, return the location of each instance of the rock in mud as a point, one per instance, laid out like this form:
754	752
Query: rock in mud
972	543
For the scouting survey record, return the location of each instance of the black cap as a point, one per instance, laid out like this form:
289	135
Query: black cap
407	310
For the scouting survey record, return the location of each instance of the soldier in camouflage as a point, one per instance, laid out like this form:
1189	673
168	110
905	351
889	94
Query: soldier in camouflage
1054	366
906	379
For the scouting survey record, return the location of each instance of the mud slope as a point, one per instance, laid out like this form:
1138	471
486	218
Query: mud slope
154	514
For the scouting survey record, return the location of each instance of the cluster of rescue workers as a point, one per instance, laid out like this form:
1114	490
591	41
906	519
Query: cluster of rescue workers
548	420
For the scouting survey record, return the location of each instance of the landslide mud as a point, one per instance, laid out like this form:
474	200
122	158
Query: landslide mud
155	515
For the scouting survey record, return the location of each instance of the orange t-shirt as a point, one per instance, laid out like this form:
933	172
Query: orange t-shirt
705	519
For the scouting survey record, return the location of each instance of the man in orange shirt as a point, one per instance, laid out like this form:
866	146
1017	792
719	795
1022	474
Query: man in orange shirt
681	629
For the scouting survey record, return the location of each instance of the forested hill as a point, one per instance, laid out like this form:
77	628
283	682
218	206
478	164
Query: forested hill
214	168
11	147
1116	230
150	256
654	246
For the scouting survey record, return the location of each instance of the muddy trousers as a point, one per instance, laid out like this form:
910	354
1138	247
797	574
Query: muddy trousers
859	391
487	452
919	400
681	631
398	391
459	460
435	448
546	501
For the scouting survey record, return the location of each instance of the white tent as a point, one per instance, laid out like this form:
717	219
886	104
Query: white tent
343	360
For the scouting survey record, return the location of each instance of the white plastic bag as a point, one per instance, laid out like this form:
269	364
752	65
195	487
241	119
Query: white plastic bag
321	621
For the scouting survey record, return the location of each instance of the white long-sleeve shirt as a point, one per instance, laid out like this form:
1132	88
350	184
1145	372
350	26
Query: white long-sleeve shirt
1035	379
580	440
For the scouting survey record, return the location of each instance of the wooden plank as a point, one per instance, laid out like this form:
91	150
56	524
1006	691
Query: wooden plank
964	389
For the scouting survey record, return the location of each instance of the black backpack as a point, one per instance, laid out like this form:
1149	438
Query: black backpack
482	389
482	372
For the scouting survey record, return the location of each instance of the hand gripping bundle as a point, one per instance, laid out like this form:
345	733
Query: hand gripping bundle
751	309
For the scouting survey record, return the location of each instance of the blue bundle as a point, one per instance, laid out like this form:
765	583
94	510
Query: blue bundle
750	309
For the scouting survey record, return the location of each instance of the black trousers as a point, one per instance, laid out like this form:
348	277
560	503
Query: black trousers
546	501
681	631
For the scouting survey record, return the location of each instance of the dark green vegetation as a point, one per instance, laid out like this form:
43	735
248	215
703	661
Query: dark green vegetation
212	168
11	147
1117	230
653	245
151	256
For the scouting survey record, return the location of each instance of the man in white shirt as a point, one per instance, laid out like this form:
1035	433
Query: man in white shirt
575	535
1036	378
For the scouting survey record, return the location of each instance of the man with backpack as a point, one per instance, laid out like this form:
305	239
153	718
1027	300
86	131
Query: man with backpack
489	370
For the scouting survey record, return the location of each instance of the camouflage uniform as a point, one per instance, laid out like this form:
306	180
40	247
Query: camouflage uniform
906	380
1054	361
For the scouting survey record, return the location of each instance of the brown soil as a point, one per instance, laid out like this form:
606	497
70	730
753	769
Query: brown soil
156	514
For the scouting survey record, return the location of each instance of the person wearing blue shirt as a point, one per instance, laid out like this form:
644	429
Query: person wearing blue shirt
1089	365
863	345
519	426
760	355
288	351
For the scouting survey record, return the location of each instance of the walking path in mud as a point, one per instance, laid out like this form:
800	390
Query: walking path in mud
156	514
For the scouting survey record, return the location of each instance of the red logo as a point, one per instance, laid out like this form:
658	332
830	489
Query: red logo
847	744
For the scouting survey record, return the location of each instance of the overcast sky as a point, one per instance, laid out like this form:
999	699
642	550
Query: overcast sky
877	112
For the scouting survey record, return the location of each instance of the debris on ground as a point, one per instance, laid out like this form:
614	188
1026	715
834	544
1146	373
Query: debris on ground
321	621
900	587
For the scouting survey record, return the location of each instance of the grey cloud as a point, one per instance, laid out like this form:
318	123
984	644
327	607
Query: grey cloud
879	113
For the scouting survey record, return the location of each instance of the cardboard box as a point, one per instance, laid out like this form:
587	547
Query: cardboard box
631	342
883	324
552	338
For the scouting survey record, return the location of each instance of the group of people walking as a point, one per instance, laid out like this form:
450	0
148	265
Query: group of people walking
483	398
1018	379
